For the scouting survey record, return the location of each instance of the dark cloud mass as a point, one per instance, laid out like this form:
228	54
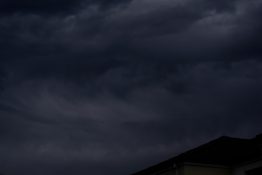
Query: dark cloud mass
50	6
109	87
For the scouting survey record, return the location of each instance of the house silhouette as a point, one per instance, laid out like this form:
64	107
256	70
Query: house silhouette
222	156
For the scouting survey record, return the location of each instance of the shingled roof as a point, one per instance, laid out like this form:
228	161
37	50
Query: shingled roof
225	151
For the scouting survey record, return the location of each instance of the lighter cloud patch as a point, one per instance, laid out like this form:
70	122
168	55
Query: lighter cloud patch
143	7
58	102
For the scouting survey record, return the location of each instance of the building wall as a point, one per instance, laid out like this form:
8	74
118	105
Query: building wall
197	169
205	170
241	170
169	172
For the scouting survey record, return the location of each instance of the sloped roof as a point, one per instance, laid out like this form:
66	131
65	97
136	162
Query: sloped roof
226	151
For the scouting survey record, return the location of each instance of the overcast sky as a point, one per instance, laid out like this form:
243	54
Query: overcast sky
109	87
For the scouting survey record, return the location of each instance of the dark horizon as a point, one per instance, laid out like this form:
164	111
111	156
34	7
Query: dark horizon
112	86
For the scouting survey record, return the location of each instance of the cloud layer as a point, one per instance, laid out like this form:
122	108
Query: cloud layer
109	87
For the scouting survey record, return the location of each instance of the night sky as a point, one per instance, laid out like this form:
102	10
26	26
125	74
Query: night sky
109	87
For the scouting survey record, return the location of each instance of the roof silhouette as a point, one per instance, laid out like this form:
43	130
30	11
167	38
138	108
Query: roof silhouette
225	151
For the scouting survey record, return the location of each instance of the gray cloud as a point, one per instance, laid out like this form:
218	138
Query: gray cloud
55	121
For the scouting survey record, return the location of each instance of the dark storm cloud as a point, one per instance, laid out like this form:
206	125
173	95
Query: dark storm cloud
91	87
50	6
175	30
